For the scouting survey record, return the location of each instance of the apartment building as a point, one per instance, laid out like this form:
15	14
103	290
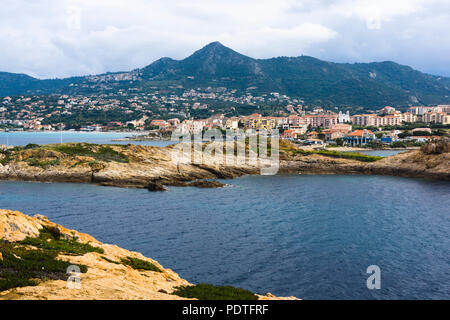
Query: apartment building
257	122
192	126
436	117
393	119
364	119
321	120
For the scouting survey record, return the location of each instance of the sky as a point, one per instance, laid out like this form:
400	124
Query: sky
61	38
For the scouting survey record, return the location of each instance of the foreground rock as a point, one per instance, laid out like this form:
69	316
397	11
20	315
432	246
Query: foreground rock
106	277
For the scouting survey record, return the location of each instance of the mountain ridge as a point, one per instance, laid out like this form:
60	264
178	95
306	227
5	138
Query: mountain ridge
310	79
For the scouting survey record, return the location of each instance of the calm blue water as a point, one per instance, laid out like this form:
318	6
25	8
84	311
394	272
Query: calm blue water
308	236
47	137
382	153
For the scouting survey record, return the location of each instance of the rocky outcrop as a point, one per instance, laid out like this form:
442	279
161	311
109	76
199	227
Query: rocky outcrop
155	168
206	184
155	186
146	167
414	164
431	161
106	277
436	147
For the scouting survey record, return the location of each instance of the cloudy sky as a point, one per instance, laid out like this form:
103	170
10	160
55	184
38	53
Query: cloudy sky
59	38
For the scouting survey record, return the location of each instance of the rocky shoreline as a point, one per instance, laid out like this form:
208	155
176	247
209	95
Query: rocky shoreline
154	168
107	272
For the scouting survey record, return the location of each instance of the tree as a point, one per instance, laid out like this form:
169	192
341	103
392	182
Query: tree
404	134
339	141
421	133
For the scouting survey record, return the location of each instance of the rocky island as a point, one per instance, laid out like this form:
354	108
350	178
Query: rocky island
155	167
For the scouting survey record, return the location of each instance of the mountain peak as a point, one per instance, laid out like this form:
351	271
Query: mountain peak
214	44
217	52
215	47
218	60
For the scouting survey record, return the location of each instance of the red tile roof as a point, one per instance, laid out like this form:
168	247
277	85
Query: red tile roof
359	133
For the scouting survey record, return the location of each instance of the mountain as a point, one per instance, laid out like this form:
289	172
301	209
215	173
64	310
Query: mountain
18	83
315	81
213	62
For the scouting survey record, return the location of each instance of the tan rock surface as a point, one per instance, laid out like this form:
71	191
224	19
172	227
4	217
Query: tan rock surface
145	164
414	163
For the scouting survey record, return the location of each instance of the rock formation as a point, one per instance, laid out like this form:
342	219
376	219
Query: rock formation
155	167
106	276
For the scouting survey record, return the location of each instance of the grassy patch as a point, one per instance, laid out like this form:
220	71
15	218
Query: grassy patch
108	154
337	154
9	280
104	153
23	266
205	291
31	146
8	154
140	264
73	149
109	260
42	164
50	240
6	159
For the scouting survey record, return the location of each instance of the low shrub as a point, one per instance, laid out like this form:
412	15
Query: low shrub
21	266
42	164
31	146
139	264
73	149
338	154
50	239
8	154
104	153
109	260
205	291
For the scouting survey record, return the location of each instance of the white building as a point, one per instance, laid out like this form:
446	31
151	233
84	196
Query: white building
344	117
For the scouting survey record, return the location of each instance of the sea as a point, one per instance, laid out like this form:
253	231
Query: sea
310	236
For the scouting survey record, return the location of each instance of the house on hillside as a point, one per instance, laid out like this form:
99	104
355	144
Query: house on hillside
332	134
359	138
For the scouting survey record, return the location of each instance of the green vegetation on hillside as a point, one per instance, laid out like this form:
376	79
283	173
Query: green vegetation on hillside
28	262
26	267
42	164
140	264
50	239
98	152
109	260
314	81
337	154
8	154
104	153
204	291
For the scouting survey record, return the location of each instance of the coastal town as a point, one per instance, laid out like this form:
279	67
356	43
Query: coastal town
156	116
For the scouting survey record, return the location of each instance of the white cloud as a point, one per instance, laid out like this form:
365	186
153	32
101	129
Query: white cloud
50	38
375	13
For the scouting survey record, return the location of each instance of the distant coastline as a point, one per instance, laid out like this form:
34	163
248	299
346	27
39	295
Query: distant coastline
155	168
